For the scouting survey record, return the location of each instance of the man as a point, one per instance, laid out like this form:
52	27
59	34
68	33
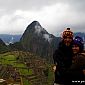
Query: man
63	56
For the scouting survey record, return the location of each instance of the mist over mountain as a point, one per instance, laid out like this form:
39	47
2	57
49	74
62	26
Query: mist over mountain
37	40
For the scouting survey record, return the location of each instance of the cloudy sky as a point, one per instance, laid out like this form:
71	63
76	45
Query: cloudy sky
53	15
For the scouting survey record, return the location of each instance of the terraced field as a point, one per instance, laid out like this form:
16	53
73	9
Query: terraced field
19	71
9	59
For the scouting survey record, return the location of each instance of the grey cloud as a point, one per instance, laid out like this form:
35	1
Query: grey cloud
11	5
25	4
74	28
37	4
76	7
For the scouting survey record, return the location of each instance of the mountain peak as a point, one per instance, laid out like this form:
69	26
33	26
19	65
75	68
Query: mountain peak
35	27
34	23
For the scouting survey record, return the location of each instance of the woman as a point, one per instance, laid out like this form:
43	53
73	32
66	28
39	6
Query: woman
75	74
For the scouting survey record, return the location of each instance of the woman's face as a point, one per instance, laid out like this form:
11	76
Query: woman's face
75	49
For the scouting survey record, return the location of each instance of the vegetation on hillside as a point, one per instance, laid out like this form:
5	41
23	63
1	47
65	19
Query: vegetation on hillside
25	68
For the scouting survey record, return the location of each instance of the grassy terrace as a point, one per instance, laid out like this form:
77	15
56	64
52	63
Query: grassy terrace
11	60
25	82
25	71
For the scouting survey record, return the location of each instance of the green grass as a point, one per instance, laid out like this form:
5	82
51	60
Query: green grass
30	72
25	82
6	59
25	71
9	59
50	77
21	65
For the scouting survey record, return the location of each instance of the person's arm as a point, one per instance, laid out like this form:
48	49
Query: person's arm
58	60
55	63
54	57
82	62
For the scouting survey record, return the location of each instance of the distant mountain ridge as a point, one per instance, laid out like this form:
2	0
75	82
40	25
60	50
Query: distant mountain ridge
80	34
7	38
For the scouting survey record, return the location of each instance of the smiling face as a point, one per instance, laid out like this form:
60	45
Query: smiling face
75	49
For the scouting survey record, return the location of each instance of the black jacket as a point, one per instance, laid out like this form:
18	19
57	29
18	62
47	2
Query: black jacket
63	56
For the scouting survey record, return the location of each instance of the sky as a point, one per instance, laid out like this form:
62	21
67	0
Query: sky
53	15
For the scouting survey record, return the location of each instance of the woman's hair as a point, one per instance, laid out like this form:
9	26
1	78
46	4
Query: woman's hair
78	41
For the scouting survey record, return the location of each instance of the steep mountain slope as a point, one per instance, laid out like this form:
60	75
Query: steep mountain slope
37	40
3	47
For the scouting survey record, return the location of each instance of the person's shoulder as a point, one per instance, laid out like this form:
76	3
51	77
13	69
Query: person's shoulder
61	44
81	57
58	49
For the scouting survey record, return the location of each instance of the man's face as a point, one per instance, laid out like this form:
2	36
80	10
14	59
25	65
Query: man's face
67	40
75	49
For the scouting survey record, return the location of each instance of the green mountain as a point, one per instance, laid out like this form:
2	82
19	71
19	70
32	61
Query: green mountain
37	40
